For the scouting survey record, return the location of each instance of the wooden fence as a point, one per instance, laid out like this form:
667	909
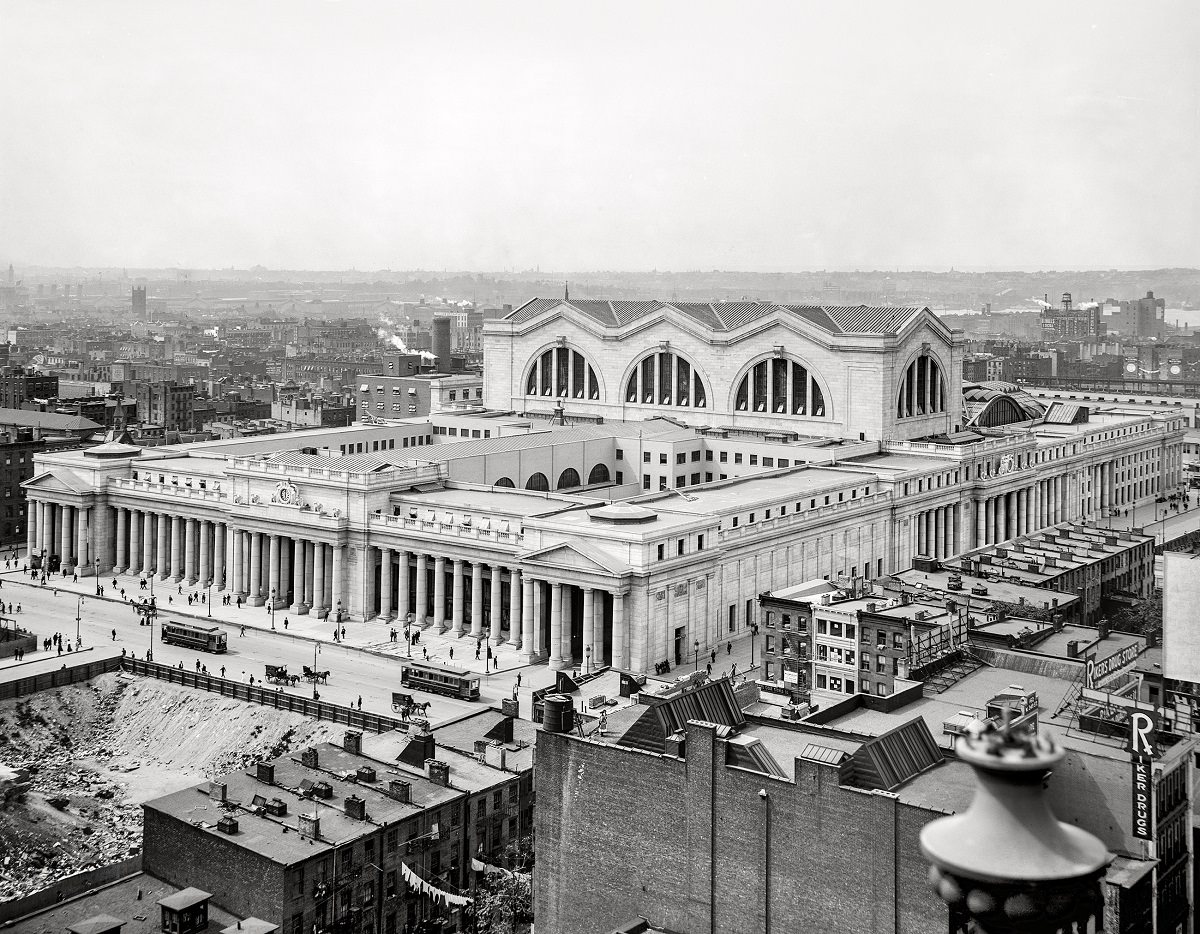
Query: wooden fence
47	680
267	696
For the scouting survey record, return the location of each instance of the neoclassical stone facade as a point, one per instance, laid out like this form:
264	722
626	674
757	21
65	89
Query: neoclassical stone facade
625	542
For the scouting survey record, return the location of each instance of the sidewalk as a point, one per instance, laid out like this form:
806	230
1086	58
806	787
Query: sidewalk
372	636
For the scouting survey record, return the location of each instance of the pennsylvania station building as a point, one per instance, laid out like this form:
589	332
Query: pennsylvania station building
638	473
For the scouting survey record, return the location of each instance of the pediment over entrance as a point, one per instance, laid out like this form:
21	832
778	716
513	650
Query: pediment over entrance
574	557
60	482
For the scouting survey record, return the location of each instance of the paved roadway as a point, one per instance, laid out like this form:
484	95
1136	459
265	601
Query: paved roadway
366	664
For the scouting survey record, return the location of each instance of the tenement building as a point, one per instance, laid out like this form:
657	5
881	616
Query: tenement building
638	475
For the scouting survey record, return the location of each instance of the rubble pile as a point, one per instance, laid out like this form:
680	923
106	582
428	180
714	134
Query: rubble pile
78	762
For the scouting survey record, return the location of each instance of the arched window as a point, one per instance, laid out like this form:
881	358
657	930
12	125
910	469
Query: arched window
564	373
504	482
780	386
538	482
568	478
599	474
665	378
922	390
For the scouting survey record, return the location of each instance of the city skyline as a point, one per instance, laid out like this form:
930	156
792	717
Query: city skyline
667	137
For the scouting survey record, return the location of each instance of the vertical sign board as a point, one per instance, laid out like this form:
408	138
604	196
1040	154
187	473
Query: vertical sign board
1142	726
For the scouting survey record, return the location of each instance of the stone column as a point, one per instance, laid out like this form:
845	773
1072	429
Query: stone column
496	606
273	571
149	567
83	553
319	605
122	546
939	535
403	603
310	571
205	546
439	593
385	583
65	535
568	621
239	579
980	523
32	524
337	586
598	630
422	607
285	571
189	550
476	600
135	542
619	658
556	602
176	548
516	607
299	605
589	630
526	641
256	594
219	543
456	608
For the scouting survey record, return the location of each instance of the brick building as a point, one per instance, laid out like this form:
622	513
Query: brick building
16	466
166	404
19	385
343	840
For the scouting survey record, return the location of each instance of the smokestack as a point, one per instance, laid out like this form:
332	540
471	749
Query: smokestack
441	341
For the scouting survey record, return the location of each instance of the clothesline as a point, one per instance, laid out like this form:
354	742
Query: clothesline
428	888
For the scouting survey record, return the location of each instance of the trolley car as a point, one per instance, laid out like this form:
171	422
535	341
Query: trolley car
456	682
194	636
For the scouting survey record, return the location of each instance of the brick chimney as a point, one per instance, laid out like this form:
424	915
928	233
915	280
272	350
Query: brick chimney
308	757
356	807
266	773
352	742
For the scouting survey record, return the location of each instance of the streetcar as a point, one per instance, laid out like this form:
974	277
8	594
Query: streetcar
440	679
194	636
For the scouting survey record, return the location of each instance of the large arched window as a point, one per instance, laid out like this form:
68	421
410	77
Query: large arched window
780	386
599	474
922	390
564	373
568	479
538	482
665	378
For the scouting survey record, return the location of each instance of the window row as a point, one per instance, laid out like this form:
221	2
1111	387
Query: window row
567	480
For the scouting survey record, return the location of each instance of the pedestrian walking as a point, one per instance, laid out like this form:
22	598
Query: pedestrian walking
285	622
343	632
360	702
114	634
729	649
451	653
222	671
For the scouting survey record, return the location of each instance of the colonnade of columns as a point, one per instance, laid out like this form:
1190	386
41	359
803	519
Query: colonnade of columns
940	531
62	530
565	623
1019	512
301	575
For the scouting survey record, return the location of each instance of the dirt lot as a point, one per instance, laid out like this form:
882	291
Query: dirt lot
92	753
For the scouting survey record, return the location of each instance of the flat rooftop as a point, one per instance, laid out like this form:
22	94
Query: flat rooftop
738	494
934	585
120	900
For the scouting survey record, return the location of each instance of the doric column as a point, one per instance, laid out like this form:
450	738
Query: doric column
337	584
189	550
122	545
220	540
422	607
980	523
516	607
134	525
273	571
568	623
619	658
456	609
310	571
598	630
496	607
176	548
959	514
526	620
65	535
299	575
83	553
256	594
939	534
148	552
385	583
319	605
589	629
239	564
285	571
403	587
476	600
32	524
556	604
439	593
204	545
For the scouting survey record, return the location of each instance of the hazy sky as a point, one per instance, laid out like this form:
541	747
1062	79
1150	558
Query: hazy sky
572	135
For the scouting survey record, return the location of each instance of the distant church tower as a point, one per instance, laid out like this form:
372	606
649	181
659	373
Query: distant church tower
139	302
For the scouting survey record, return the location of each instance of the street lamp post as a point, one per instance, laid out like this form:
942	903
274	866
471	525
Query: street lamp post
272	607
78	615
316	651
696	666
96	574
209	598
